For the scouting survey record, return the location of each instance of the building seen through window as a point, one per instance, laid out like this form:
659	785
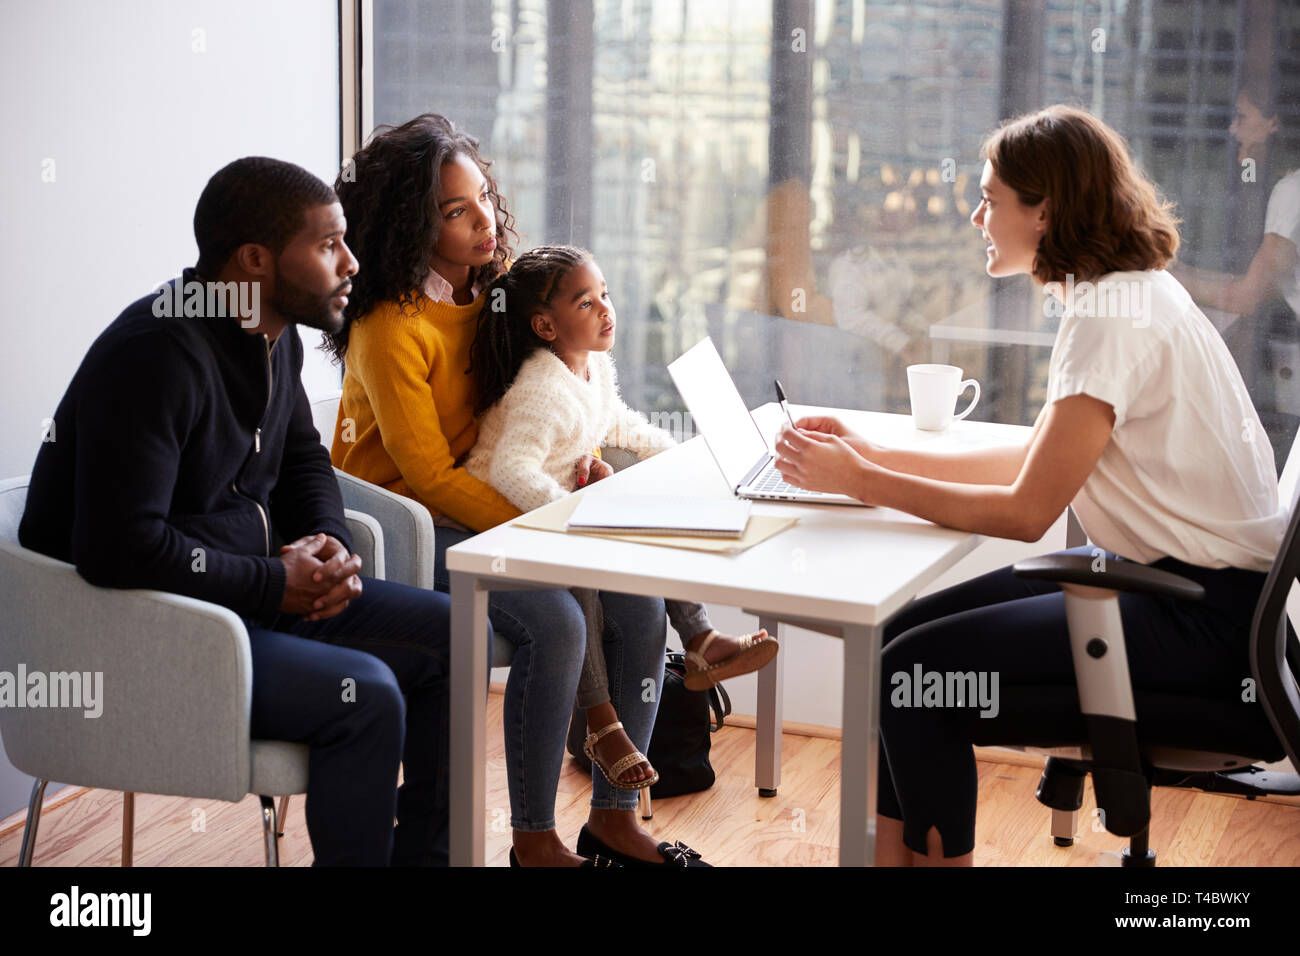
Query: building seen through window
796	178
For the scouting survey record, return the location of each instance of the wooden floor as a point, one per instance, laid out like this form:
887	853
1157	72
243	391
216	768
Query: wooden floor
730	824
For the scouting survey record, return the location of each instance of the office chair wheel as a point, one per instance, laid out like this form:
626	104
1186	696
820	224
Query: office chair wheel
766	792
1146	860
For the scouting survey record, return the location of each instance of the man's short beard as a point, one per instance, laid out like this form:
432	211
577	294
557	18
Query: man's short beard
295	304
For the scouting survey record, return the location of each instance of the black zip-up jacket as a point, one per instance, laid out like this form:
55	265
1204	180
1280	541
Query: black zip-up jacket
181	457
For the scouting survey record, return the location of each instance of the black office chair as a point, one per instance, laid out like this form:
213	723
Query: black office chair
1143	740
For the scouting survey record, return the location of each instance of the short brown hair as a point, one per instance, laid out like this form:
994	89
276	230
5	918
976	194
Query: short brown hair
1104	215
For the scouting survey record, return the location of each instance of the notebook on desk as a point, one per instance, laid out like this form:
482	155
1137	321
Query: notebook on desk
660	514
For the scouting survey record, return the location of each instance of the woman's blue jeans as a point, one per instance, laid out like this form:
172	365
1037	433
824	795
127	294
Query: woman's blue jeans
549	633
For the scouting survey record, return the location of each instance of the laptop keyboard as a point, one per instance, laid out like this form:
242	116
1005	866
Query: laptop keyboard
771	482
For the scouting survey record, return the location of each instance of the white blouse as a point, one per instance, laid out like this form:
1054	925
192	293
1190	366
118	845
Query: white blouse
1282	218
1188	472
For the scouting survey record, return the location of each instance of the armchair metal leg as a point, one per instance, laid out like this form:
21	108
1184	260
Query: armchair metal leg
32	823
128	829
1063	824
280	817
268	830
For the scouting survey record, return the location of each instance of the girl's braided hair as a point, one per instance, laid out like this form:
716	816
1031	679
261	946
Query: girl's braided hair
505	336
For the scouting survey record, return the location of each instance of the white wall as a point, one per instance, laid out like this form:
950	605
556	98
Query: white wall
138	103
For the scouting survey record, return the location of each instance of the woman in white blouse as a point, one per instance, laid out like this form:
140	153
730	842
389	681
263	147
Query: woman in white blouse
1147	431
1275	267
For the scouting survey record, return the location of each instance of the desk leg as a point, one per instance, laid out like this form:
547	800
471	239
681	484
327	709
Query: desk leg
859	744
771	693
468	751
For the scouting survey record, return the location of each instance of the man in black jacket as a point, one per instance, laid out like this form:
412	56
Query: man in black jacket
184	459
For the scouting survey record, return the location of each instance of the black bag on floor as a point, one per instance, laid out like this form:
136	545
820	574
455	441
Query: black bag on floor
679	746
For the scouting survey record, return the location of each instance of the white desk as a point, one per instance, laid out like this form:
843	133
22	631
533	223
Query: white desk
842	570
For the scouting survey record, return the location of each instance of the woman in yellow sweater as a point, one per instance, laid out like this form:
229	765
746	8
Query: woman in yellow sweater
431	230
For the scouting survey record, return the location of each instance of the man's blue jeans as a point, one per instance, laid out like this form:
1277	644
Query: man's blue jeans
338	686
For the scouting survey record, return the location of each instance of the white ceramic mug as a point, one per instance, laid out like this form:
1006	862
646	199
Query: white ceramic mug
934	390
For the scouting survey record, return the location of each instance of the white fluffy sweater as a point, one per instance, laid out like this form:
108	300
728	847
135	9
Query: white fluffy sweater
530	441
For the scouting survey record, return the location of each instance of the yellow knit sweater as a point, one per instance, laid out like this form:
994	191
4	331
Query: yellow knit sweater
407	412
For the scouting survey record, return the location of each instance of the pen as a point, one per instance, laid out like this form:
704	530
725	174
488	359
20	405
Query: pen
780	395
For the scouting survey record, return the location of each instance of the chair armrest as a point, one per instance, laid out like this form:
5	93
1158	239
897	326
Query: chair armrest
1114	576
175	691
617	458
407	529
367	541
1100	656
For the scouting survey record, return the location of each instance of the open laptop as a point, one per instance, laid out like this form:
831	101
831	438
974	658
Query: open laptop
733	437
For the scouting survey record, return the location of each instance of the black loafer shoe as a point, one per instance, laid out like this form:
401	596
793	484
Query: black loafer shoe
594	861
675	854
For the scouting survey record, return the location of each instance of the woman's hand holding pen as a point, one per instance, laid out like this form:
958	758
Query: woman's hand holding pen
819	459
815	426
829	425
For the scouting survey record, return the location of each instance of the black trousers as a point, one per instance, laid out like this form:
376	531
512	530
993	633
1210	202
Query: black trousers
366	689
1013	631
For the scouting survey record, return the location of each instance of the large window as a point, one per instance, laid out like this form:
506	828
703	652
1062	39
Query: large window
795	178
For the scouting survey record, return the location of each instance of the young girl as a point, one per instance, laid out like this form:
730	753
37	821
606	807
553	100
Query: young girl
548	396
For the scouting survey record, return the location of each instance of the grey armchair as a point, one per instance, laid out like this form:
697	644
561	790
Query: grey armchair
409	529
408	526
177	686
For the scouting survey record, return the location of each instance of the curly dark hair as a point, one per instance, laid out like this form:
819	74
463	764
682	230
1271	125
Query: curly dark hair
505	336
389	193
1104	215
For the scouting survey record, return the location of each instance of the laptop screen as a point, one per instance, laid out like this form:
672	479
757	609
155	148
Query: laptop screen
718	411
